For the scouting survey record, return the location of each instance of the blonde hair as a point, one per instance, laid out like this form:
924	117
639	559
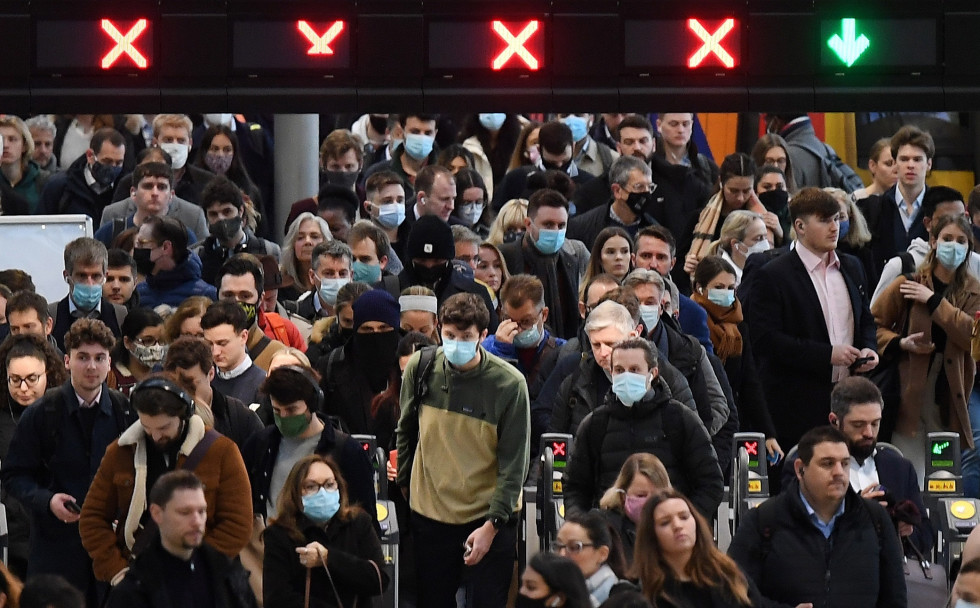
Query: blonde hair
513	213
734	227
177	121
859	233
295	353
16	123
640	463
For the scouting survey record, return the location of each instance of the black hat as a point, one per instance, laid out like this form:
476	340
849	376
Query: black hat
431	238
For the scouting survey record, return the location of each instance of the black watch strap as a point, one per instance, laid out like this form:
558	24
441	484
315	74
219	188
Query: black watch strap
497	522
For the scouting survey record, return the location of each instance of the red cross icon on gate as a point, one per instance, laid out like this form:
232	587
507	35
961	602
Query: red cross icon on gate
515	45
320	43
558	448
711	43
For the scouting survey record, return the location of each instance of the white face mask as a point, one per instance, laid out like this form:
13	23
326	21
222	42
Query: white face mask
177	152
218	119
760	247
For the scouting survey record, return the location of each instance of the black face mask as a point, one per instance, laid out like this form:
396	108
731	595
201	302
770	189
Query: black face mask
378	123
550	166
143	264
344	179
511	236
251	312
525	602
225	230
431	276
774	200
104	175
380	350
638	201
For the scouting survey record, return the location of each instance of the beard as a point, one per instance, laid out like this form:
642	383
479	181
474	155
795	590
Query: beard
862	451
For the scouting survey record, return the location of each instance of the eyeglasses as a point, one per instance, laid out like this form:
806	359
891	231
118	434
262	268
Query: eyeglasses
16	381
573	548
312	487
147	341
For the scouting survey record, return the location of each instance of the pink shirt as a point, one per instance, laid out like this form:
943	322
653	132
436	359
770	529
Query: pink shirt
835	301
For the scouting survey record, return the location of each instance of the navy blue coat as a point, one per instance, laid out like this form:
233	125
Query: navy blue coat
56	547
174	286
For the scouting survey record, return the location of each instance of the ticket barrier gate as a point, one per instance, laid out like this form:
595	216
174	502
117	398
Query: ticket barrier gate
750	477
954	518
944	471
555	450
387	519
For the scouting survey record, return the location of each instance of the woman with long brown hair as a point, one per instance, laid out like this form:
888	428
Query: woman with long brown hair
677	562
319	544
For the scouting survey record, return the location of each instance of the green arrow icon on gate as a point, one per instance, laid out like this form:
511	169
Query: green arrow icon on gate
851	46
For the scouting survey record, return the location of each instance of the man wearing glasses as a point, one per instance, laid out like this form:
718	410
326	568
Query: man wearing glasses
57	448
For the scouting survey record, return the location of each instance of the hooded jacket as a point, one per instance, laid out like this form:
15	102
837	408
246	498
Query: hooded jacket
172	287
119	492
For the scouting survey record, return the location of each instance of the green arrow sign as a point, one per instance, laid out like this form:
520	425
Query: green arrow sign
938	448
850	47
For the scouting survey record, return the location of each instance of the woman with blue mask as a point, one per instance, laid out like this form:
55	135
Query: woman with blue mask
319	547
471	207
925	321
491	137
742	234
854	236
714	290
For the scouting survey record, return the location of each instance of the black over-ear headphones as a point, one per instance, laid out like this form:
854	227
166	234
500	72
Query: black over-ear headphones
309	378
166	385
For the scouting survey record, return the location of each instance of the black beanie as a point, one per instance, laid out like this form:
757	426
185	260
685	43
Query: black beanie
431	238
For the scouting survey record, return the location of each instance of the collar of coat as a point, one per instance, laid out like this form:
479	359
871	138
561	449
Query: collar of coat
135	436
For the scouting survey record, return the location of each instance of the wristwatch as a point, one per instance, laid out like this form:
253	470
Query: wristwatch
497	522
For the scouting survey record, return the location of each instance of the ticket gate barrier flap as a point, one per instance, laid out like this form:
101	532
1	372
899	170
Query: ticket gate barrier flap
555	453
388	522
379	459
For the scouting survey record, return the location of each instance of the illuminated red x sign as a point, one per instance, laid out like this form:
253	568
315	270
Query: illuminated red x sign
124	44
515	45
365	446
751	448
320	42
558	447
711	43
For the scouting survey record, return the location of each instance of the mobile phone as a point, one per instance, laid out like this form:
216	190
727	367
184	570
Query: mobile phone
859	362
72	506
467	549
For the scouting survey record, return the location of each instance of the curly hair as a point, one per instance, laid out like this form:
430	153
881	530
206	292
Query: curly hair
30	345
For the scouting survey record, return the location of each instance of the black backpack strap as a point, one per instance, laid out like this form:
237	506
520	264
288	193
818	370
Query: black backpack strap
597	432
908	263
53	408
256	352
200	450
427	359
391	285
118	225
121	411
767	519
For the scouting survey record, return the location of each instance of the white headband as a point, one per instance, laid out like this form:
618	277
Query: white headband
426	303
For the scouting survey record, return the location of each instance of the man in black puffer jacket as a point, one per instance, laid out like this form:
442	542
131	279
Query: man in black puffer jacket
818	542
640	416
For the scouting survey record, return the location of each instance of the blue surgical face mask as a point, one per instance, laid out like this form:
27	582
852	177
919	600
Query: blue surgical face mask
329	288
322	506
418	146
391	215
578	125
845	227
86	297
550	241
650	315
366	273
951	254
492	122
629	387
528	338
471	212
721	297
458	352
962	603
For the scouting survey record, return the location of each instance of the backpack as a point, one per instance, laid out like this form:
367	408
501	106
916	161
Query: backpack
835	172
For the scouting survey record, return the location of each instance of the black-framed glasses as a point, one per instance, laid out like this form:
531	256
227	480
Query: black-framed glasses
312	487
16	381
573	548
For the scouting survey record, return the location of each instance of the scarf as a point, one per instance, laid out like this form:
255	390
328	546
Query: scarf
723	326
704	231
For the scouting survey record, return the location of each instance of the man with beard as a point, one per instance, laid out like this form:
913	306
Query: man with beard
169	435
877	473
181	566
355	374
429	255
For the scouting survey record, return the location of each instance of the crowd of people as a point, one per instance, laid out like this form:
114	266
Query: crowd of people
178	427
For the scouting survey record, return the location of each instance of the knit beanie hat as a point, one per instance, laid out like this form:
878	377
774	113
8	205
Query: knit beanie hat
431	238
376	305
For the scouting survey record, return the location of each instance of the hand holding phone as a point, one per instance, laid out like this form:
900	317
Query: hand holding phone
859	362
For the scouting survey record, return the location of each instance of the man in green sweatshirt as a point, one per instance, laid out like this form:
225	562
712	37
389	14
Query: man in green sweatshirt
462	458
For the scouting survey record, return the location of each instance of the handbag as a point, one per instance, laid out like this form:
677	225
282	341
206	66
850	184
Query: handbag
309	577
925	582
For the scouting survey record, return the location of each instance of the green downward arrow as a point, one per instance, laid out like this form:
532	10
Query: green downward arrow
848	48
